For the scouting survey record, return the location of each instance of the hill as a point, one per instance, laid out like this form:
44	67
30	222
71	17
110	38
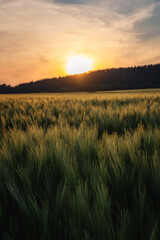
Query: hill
140	77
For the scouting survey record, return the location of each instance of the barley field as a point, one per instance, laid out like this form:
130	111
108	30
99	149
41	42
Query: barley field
83	166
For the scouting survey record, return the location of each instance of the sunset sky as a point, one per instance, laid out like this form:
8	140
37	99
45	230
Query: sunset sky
38	37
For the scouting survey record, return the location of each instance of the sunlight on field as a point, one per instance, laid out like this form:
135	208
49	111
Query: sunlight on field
80	165
83	95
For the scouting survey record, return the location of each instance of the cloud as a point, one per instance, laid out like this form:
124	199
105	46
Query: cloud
127	7
37	36
149	29
71	1
4	2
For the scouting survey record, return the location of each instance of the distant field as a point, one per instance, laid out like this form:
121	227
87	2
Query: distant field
88	94
80	166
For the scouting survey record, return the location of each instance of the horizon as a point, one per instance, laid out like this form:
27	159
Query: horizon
39	37
79	74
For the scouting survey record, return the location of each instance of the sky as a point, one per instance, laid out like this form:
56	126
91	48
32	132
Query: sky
38	37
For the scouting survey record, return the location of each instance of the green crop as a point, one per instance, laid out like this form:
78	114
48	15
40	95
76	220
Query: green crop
80	166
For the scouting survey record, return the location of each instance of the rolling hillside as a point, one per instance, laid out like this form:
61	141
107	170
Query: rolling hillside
110	79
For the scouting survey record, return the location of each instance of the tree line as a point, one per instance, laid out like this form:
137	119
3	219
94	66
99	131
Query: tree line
140	77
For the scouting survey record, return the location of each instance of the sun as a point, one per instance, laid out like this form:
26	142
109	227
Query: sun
79	64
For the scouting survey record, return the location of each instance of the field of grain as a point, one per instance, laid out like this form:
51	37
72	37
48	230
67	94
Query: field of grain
82	166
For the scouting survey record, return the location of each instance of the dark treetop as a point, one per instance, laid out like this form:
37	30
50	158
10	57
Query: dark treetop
102	80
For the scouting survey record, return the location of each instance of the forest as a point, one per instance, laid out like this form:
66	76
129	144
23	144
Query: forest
141	77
